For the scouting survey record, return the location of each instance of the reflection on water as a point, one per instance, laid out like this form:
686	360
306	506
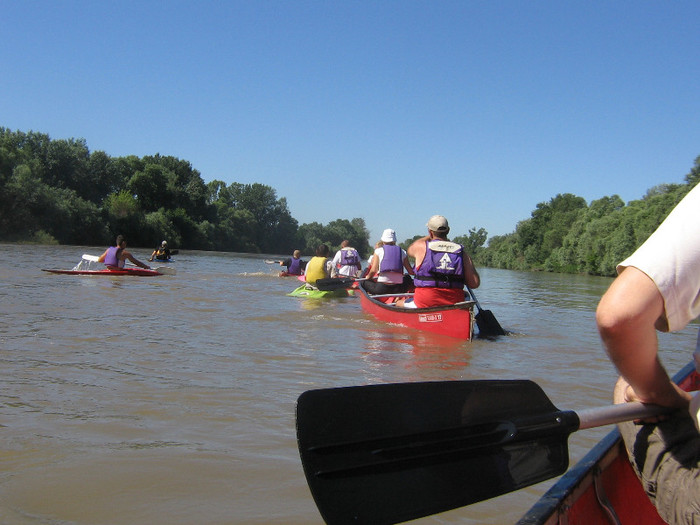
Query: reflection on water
388	346
171	399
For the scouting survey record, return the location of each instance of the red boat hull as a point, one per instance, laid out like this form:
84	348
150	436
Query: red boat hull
606	468
141	272
454	320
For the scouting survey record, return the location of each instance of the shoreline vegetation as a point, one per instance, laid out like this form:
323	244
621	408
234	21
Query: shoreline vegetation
56	191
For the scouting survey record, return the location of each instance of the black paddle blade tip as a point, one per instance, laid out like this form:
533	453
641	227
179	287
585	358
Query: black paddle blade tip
488	326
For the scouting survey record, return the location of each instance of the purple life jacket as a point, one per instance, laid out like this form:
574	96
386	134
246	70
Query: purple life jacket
294	267
349	257
391	261
112	258
442	267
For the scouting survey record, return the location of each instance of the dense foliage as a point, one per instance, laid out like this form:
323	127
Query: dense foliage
57	191
567	235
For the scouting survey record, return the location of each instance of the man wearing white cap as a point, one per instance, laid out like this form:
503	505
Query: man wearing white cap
442	267
388	264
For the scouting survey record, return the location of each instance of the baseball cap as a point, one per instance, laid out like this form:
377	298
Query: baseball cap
438	223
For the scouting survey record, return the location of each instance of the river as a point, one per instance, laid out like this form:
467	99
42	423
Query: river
171	399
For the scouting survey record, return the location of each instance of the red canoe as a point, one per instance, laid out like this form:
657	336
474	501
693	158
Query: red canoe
142	272
602	484
455	320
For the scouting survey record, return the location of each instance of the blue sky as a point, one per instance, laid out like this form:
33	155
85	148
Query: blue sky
389	111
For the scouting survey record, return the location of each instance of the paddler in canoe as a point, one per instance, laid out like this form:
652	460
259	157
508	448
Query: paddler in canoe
295	265
115	257
658	288
442	267
386	271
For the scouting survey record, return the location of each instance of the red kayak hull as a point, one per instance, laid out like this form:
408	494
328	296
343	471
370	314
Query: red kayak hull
453	320
573	499
140	272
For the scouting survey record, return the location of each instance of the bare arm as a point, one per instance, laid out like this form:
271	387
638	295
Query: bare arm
408	267
333	271
417	250
626	316
127	255
471	276
373	267
101	258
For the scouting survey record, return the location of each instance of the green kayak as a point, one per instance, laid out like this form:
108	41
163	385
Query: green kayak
314	293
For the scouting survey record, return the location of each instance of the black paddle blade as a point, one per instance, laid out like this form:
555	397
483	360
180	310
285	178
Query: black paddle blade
488	325
390	453
329	285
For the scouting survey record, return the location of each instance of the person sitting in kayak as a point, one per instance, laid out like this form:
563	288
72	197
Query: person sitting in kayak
387	266
294	264
116	256
161	253
346	262
319	267
442	267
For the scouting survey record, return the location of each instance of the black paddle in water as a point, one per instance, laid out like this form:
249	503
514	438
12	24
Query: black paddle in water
486	321
335	283
390	453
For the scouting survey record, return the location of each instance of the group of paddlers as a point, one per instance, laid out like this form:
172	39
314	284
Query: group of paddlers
441	267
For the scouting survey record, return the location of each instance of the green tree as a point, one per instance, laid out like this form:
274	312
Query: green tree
353	231
275	227
693	177
218	193
102	178
66	166
20	203
311	235
123	169
473	242
124	216
159	227
185	185
152	187
30	206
